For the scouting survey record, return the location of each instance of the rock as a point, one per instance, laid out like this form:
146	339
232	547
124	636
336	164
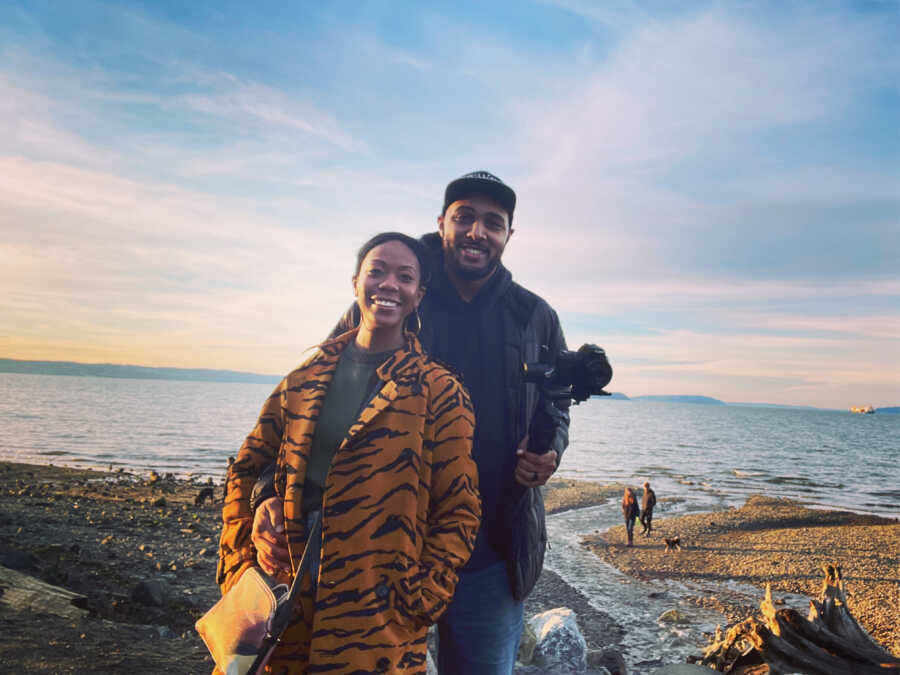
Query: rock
609	660
154	477
672	616
527	643
166	633
560	645
21	591
161	501
151	592
15	559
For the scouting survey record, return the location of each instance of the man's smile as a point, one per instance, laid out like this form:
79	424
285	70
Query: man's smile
473	252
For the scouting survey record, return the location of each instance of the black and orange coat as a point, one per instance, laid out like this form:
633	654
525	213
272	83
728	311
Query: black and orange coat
400	511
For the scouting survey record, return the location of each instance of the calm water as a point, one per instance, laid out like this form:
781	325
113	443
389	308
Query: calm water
705	456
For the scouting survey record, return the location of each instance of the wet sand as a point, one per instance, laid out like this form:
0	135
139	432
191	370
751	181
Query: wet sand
777	542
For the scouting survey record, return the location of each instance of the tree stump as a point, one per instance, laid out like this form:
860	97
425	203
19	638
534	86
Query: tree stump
828	642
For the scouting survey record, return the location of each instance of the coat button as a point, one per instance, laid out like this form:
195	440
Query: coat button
381	591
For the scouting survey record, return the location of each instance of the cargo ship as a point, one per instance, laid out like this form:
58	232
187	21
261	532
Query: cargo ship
864	410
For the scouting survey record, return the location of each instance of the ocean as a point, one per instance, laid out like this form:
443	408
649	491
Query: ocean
697	457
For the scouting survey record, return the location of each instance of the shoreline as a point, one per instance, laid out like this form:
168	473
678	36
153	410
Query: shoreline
727	555
105	534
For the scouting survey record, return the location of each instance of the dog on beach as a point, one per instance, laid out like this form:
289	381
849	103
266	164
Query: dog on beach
205	493
673	543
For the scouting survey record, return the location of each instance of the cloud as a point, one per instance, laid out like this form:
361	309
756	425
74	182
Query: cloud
696	149
709	191
822	371
261	108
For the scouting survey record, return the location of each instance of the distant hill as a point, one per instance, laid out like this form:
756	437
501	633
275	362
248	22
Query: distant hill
779	405
894	410
616	396
131	372
670	398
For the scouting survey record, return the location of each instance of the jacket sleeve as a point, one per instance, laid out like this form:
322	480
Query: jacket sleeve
455	506
558	410
259	450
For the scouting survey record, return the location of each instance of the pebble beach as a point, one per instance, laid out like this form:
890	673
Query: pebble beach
143	555
775	542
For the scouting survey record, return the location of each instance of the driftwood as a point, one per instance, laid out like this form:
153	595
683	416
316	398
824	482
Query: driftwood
21	591
828	642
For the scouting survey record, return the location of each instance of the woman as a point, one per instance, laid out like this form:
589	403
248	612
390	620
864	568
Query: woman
379	437
631	512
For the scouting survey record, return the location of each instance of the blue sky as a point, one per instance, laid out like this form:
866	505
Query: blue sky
709	190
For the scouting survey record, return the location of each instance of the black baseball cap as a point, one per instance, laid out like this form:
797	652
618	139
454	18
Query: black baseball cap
481	183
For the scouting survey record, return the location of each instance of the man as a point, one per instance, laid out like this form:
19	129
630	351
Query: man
647	504
482	324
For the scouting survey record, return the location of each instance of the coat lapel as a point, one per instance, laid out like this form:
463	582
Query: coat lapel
392	373
397	371
382	399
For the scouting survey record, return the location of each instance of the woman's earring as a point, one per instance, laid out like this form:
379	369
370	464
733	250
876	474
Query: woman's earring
418	322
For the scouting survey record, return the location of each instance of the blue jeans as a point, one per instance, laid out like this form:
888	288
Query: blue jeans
479	634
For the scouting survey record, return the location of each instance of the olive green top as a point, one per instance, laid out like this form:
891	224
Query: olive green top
352	385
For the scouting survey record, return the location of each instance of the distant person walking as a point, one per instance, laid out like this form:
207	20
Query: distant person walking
647	504
631	512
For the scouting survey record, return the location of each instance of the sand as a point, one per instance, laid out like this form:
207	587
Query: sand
777	542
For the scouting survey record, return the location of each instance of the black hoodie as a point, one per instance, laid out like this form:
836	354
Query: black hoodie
469	337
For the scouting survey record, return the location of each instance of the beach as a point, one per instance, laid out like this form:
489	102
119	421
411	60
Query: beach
144	556
771	541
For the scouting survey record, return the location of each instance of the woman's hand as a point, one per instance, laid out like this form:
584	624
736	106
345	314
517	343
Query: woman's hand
269	538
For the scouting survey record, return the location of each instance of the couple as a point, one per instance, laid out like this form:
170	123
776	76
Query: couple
414	479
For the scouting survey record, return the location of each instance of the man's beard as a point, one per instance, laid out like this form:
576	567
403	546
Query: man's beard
469	273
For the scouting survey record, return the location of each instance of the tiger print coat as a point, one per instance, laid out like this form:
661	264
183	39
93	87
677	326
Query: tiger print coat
400	512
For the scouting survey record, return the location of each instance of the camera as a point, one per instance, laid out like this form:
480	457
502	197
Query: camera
571	375
565	376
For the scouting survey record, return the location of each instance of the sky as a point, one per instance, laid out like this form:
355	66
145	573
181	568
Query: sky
708	190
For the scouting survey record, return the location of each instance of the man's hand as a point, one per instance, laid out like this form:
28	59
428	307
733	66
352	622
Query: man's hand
533	470
269	538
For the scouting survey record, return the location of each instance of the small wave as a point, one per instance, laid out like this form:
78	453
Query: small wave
892	494
882	507
747	474
53	453
652	468
792	480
